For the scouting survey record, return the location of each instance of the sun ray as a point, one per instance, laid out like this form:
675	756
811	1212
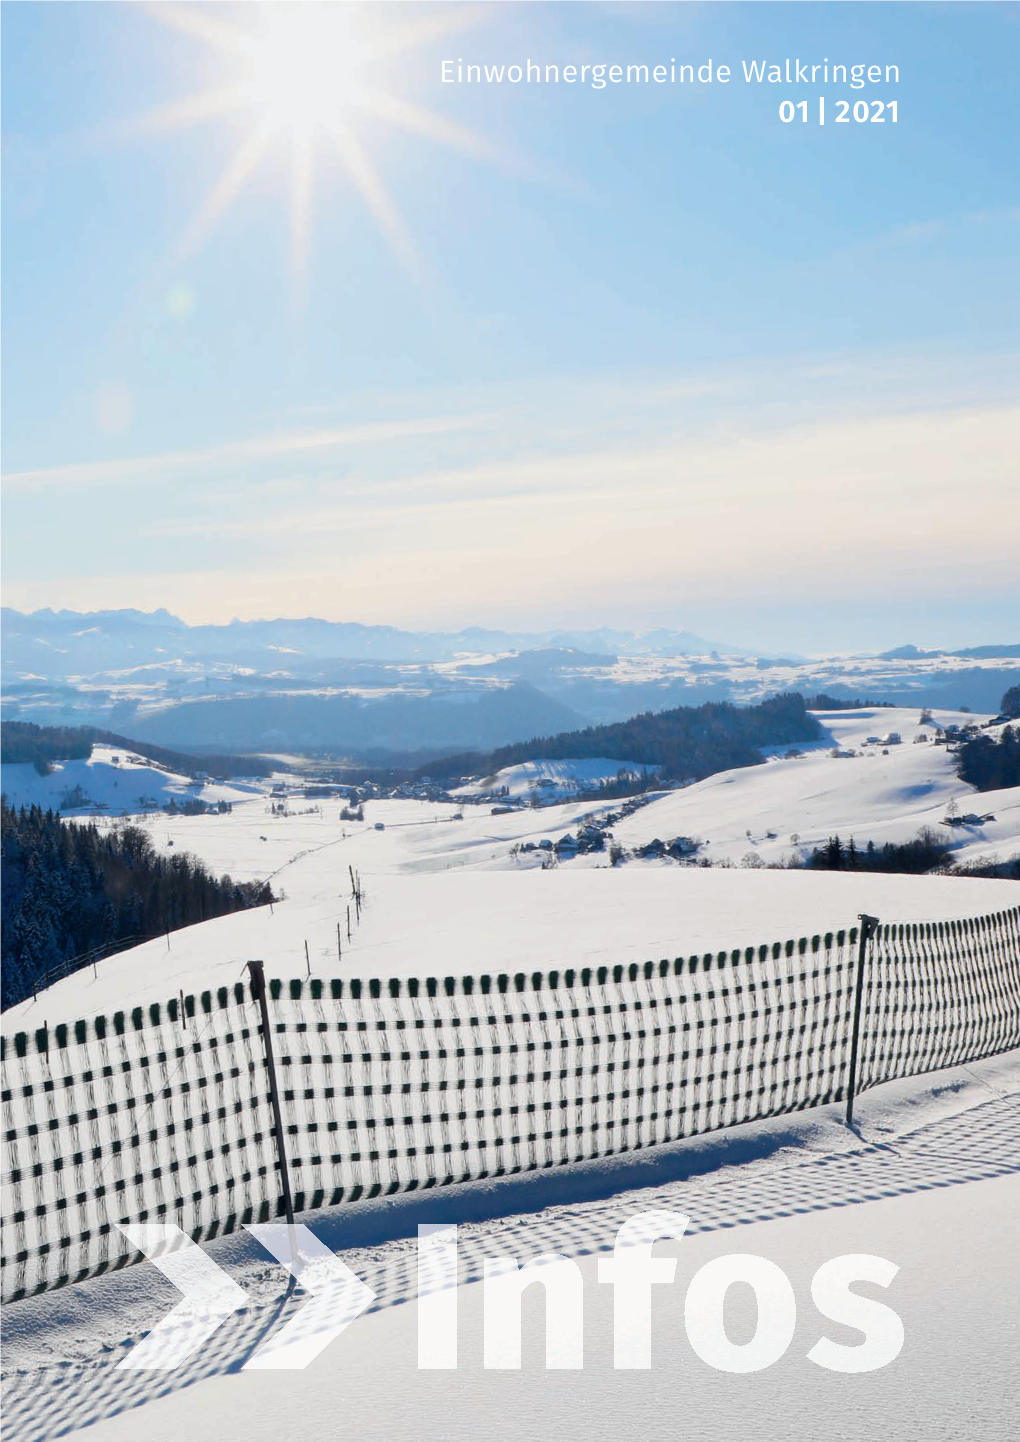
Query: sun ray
197	21
361	171
420	121
176	115
302	152
451	22
246	160
297	69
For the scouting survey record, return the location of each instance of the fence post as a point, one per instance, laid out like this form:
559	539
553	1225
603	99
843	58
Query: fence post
869	925
258	986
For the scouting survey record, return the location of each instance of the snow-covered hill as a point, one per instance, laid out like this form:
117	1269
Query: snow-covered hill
113	781
550	780
870	790
447	893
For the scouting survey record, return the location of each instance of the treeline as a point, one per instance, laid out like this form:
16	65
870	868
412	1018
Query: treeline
688	742
825	702
1008	870
990	765
926	852
24	742
614	788
68	890
213	764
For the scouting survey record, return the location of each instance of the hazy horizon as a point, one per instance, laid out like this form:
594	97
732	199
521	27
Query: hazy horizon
539	630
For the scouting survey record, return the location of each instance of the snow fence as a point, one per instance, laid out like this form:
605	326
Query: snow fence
162	1113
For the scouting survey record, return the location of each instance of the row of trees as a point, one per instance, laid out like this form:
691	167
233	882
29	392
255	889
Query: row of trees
23	742
824	702
990	765
687	742
926	852
70	889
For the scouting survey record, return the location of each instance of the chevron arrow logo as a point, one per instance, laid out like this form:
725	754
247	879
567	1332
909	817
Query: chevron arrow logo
210	1296
338	1296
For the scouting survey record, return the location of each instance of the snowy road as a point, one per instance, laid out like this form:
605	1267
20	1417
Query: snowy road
933	1185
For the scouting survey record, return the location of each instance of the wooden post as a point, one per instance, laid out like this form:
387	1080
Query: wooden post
869	925
258	987
308	964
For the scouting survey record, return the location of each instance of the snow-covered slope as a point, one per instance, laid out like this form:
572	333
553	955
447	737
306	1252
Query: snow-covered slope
114	781
448	893
472	922
545	780
878	793
446	896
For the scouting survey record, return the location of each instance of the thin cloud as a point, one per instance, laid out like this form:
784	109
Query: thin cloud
919	231
863	473
97	473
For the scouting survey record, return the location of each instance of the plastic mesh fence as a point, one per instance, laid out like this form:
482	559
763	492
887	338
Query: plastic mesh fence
163	1113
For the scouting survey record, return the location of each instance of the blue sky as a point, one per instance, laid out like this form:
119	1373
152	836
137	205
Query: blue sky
642	355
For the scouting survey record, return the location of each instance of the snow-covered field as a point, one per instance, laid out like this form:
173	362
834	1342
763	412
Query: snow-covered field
448	896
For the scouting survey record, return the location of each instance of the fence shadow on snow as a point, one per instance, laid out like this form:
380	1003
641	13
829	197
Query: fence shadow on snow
162	1113
55	1399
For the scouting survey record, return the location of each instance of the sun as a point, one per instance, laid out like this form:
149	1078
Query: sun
299	70
302	64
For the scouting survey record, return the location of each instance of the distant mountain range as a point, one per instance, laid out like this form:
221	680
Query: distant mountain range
974	653
347	689
57	644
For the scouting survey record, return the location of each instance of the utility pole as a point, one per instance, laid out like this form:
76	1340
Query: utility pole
258	988
869	925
